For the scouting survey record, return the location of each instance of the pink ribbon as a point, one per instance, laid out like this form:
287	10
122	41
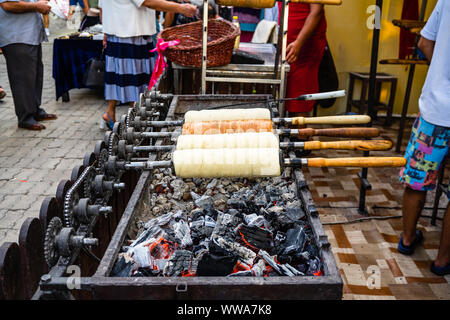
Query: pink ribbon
160	64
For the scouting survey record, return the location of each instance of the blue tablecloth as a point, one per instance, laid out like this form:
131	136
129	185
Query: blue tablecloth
70	57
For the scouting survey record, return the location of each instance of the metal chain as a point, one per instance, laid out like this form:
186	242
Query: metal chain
68	197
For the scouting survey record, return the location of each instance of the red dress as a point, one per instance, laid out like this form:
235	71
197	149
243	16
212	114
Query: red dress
303	76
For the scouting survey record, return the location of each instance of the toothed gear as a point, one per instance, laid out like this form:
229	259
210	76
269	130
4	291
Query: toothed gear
118	129
112	144
102	160
50	247
130	117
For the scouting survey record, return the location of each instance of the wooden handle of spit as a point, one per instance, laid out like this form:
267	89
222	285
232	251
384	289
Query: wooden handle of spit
339	132
364	145
366	162
358	119
327	2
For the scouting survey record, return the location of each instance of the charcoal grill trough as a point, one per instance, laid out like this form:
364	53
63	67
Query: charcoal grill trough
103	285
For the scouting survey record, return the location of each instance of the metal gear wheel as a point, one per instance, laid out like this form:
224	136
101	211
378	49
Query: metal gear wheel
112	144
50	245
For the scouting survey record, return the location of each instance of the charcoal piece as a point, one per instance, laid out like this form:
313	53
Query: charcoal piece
197	181
290	217
205	202
244	254
225	225
281	269
257	270
244	57
124	266
182	233
154	231
274	193
197	213
141	255
314	267
180	261
143	272
212	184
288	196
256	237
237	203
194	196
255	220
312	250
217	262
279	238
295	241
202	227
261	201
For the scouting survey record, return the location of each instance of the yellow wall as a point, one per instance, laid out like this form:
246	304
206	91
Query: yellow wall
351	42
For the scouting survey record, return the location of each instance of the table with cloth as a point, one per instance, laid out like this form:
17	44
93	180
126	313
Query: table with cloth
70	63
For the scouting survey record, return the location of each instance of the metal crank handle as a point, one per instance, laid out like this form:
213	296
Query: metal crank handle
363	145
322	96
363	162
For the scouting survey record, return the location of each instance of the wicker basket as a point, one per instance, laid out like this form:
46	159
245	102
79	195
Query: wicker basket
221	39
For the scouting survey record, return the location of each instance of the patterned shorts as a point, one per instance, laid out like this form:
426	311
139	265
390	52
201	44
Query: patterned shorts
426	151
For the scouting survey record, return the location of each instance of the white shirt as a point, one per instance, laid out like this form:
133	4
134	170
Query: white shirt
127	18
434	103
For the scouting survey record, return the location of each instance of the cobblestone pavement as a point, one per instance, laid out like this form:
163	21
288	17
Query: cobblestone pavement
32	163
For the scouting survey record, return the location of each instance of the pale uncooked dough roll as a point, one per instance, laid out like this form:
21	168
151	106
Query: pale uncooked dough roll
227	163
227	114
227	126
228	141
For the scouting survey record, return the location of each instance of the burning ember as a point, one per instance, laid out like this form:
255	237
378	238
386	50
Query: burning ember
221	227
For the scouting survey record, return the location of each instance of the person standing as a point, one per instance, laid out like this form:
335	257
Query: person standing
430	139
21	35
92	16
128	26
306	40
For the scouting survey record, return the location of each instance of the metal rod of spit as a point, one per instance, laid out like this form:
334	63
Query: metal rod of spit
356	162
152	148
299	133
346	119
361	145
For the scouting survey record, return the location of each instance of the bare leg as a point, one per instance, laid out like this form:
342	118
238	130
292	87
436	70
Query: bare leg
46	21
111	110
413	203
443	258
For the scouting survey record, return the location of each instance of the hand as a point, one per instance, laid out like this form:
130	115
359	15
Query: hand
188	10
43	7
104	41
292	52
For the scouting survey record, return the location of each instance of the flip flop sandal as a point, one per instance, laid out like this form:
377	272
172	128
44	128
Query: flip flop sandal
108	120
440	271
409	250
